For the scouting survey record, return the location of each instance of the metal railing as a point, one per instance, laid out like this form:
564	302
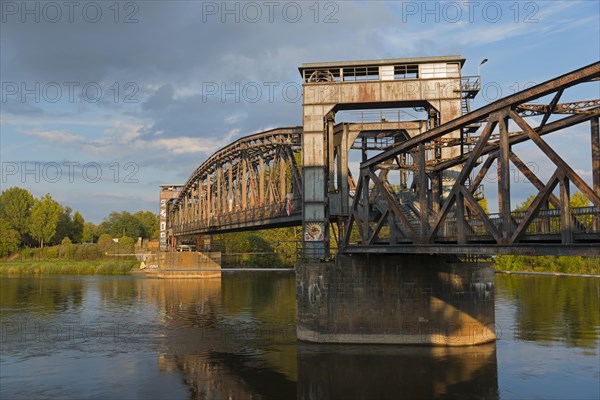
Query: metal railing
546	222
239	217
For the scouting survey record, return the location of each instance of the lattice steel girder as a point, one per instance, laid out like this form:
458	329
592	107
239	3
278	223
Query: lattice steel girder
374	204
520	137
262	144
252	173
576	107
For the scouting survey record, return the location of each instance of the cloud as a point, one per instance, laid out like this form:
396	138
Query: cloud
127	136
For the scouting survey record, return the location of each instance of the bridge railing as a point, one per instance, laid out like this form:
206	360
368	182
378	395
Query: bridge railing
240	217
547	222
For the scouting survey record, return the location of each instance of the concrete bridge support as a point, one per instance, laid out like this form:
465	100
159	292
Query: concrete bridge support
395	300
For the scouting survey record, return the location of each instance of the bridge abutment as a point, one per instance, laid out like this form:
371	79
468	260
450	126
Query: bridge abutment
420	300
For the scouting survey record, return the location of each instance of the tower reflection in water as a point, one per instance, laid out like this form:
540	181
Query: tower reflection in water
234	337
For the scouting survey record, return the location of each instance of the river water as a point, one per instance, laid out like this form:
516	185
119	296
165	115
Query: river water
71	337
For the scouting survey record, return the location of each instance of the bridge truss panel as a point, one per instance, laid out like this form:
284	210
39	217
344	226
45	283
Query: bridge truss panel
253	183
453	221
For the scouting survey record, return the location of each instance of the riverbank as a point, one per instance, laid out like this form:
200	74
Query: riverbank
549	264
546	274
69	267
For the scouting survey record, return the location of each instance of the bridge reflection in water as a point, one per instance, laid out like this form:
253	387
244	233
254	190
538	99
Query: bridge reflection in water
234	337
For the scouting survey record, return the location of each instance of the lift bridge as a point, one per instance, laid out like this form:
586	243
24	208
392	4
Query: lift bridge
420	182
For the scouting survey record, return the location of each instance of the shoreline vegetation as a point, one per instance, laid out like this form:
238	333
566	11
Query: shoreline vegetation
94	259
549	264
67	267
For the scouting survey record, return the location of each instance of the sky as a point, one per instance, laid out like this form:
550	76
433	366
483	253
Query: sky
104	101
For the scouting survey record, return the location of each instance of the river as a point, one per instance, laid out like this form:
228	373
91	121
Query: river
124	337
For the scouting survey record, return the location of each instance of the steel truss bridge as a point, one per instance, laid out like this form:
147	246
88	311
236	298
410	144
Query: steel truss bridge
253	183
256	182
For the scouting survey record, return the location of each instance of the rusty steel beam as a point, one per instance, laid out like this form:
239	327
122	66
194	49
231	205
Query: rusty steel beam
556	159
520	137
529	249
575	107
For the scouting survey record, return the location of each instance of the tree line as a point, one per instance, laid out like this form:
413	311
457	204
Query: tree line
26	221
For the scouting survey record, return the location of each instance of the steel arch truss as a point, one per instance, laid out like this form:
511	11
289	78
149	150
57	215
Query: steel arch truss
253	183
443	214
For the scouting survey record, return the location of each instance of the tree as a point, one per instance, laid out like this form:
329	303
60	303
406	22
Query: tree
484	204
69	226
15	209
9	238
149	222
91	233
63	226
77	227
44	218
105	242
577	200
524	205
123	223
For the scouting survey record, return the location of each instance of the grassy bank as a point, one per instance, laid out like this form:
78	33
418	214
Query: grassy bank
84	267
566	265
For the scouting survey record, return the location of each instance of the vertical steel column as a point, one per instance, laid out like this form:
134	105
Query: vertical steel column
244	184
504	179
595	133
208	199
423	187
261	181
330	122
366	208
282	178
565	211
230	195
461	229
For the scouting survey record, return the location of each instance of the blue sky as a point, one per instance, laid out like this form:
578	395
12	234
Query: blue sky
103	103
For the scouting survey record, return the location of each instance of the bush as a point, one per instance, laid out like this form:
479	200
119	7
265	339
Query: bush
88	252
49	252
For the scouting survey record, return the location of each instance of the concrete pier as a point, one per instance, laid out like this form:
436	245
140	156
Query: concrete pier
187	265
422	300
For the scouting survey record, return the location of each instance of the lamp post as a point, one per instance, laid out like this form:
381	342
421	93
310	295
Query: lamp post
479	68
116	240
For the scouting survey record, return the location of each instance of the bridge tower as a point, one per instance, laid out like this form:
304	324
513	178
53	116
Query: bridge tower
168	193
433	84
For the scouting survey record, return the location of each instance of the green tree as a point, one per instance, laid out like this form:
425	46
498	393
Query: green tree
577	200
9	238
105	242
149	222
77	227
44	218
15	209
91	233
63	226
69	226
123	223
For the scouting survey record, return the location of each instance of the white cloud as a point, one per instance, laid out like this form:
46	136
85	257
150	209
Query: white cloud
127	137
